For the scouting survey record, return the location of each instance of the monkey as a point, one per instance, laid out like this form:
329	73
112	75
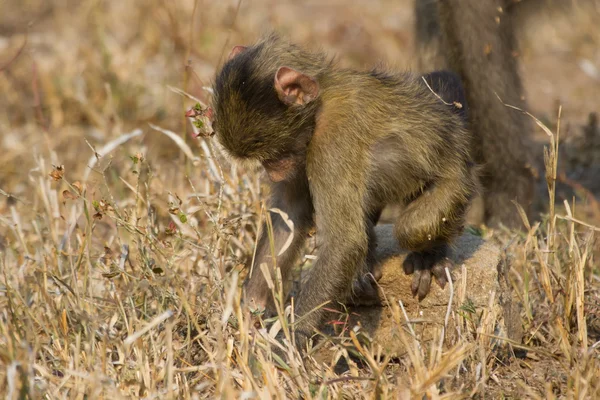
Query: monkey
337	146
476	40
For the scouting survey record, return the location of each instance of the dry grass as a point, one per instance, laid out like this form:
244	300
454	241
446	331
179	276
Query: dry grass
121	236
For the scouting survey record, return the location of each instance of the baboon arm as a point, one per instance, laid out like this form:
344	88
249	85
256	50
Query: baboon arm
435	216
294	201
342	231
330	279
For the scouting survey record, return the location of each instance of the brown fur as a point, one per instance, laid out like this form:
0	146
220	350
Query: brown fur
476	39
358	142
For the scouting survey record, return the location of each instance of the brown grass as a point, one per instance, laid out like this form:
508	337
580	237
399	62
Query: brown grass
121	236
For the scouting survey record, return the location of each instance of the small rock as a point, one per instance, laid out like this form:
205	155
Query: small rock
479	283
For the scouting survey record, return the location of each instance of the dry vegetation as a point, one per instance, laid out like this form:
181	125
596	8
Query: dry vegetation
121	237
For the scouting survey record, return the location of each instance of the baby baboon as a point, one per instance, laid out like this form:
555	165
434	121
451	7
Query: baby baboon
338	145
475	39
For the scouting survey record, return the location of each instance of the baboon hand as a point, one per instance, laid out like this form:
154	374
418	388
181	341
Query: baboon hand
364	290
423	265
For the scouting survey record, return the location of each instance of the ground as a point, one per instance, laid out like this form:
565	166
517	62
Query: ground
121	236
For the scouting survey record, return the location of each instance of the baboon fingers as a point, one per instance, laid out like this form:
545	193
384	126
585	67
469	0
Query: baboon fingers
423	266
364	292
439	271
421	283
411	263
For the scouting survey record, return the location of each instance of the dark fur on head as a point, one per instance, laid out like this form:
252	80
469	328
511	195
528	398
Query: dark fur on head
251	121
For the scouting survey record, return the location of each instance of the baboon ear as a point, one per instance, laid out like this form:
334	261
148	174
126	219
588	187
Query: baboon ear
294	87
235	51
